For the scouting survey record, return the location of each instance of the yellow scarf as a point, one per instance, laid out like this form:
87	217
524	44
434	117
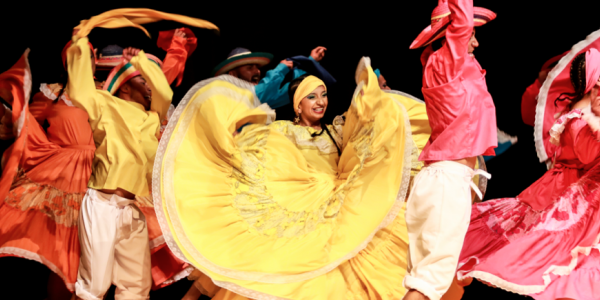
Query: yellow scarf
307	86
133	17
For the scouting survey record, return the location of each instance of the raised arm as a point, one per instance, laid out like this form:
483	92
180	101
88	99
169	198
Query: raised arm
174	62
161	91
81	86
458	34
268	89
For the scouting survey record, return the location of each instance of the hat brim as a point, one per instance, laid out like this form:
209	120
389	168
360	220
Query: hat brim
557	82
259	58
481	16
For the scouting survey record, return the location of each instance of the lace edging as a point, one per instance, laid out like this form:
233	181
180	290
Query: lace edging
162	147
39	258
557	270
183	274
538	128
559	126
47	91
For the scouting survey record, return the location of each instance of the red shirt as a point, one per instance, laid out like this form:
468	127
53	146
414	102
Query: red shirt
461	111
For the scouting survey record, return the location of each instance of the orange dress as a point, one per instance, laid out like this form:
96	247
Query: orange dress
38	217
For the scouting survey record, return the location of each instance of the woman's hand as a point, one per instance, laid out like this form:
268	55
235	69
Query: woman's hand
129	53
318	53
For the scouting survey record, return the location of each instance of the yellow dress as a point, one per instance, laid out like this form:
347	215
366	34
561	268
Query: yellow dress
251	213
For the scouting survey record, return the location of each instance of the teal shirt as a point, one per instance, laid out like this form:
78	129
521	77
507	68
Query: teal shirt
269	89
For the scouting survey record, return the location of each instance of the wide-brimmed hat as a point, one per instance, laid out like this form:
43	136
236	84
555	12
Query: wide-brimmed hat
109	57
239	57
558	82
440	19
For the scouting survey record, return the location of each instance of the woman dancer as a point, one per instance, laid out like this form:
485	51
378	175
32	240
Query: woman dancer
283	204
544	243
40	207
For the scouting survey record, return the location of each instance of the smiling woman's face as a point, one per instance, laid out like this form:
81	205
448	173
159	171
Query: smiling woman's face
313	107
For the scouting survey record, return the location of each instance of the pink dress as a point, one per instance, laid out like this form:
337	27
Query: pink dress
545	242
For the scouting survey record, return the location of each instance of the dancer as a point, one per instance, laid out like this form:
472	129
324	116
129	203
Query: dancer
45	196
279	242
544	242
439	204
113	233
245	65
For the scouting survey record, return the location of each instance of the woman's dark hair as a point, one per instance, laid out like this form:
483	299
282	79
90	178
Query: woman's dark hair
64	79
291	91
578	80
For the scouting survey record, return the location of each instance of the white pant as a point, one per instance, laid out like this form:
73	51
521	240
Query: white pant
114	248
438	212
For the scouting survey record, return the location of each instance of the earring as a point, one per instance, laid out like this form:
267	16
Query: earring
297	119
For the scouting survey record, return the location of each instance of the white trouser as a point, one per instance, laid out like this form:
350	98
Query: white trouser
114	248
438	212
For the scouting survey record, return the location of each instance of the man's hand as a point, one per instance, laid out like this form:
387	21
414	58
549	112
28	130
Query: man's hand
288	63
129	53
318	53
180	33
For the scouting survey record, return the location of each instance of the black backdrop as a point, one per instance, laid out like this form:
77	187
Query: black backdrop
512	50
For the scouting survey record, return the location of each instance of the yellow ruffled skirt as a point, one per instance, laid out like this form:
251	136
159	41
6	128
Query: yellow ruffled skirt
254	216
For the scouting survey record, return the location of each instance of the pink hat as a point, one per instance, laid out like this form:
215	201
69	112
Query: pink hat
440	19
559	82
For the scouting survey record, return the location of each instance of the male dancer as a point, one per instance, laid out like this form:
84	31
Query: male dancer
125	121
463	123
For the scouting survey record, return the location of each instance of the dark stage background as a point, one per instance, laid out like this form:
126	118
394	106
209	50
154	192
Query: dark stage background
512	50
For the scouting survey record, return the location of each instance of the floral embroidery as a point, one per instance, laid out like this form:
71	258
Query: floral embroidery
257	206
59	206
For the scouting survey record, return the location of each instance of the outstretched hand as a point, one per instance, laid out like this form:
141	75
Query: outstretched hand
129	53
180	33
288	63
318	53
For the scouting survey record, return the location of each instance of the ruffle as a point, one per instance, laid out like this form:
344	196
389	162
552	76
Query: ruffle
18	252
559	126
542	99
557	225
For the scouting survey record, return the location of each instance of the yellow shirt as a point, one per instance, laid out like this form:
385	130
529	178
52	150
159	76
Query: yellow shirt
126	135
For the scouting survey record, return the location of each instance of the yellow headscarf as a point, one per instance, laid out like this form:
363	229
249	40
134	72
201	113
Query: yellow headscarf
133	17
306	87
